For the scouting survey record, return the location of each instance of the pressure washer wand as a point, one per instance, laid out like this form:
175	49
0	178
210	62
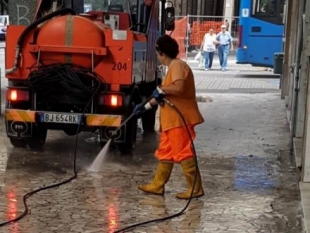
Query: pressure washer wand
96	165
119	127
128	118
132	115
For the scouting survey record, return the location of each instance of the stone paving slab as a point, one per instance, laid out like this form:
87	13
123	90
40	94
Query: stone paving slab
248	175
221	83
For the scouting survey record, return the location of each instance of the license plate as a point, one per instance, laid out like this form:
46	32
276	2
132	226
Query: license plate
60	118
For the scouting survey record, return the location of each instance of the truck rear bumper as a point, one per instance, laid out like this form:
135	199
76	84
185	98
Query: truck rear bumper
95	120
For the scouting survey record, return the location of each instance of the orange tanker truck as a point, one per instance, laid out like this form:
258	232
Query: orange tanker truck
83	72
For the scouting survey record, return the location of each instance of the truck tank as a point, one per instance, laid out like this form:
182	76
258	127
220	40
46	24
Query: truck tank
75	31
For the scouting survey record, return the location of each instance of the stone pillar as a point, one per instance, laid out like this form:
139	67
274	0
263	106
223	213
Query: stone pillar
22	12
229	12
287	42
199	8
302	64
185	6
178	7
305	174
292	54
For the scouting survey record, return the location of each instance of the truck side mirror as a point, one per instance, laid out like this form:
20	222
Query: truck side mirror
170	25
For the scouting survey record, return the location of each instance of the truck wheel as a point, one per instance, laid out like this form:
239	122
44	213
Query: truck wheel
131	135
70	132
131	126
38	138
149	117
148	121
18	143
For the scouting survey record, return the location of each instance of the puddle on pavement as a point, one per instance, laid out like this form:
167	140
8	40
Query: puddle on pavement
261	176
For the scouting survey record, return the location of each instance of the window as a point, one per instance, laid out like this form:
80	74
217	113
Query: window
264	8
268	10
102	5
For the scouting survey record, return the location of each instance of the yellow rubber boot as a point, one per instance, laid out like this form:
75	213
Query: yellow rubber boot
162	175
189	171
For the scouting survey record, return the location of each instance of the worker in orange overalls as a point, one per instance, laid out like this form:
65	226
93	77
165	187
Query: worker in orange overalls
175	144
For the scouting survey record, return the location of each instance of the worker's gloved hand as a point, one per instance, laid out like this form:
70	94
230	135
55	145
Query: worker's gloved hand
141	109
159	95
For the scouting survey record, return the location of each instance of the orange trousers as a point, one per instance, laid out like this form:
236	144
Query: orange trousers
175	145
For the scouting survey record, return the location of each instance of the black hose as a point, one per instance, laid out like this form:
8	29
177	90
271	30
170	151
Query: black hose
64	79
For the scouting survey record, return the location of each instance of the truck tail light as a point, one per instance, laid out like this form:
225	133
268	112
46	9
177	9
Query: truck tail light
17	95
113	100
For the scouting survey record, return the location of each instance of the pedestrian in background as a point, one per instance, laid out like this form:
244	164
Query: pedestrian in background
175	140
208	48
225	44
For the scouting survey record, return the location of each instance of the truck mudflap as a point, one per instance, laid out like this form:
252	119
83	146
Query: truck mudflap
19	122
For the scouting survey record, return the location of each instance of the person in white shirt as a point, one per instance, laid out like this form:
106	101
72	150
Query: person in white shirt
208	48
225	43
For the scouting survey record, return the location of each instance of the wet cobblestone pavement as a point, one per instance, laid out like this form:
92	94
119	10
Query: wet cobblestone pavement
249	178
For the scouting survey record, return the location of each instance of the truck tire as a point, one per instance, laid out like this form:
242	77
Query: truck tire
18	143
38	138
148	121
70	132
130	139
149	117
131	126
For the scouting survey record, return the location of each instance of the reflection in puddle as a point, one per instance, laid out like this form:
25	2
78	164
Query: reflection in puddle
113	215
253	174
12	210
12	206
112	218
112	212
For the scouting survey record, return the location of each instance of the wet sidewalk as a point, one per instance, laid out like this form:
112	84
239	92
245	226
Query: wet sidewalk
249	178
236	79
